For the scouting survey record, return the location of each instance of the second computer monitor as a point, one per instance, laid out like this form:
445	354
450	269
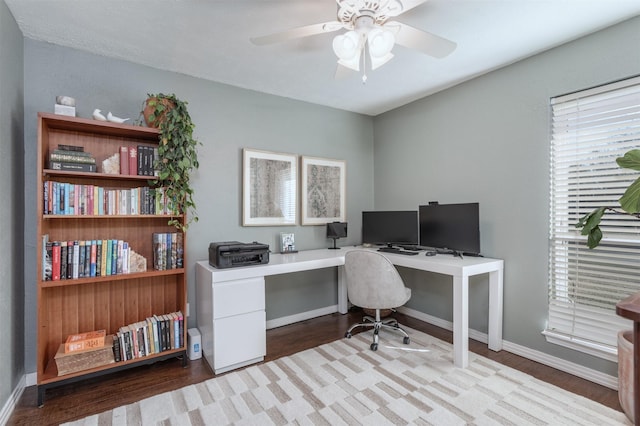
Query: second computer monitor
390	227
454	227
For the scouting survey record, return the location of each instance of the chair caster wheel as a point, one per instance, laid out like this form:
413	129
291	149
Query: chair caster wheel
406	340
347	335
374	347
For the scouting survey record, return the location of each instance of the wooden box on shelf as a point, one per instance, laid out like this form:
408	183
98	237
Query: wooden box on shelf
91	300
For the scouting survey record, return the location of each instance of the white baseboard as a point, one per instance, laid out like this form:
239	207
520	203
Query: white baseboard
12	402
279	322
534	355
32	379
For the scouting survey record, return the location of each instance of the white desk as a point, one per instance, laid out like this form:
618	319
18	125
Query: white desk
216	297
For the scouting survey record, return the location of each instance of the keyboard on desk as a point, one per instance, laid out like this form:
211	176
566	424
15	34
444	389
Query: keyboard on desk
397	251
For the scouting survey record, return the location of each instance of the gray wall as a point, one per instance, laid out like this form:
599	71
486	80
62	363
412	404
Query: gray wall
227	119
12	350
487	140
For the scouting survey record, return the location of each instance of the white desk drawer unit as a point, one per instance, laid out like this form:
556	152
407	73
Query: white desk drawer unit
232	320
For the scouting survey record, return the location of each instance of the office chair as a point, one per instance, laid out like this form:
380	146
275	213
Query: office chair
374	283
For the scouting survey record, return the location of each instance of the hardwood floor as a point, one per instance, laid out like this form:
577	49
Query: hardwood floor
75	401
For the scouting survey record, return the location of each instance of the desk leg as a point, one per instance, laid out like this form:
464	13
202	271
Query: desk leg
461	321
495	310
343	299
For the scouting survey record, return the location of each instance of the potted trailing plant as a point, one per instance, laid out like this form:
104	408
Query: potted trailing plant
629	202
177	154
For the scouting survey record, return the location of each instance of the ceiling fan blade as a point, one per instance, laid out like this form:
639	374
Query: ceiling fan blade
308	30
425	42
396	7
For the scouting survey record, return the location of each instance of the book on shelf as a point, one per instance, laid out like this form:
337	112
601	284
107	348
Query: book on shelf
73	148
133	160
63	260
72	167
47	266
124	160
72	156
55	260
83	341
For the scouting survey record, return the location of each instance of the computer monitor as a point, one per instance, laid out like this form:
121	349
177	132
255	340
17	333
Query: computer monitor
390	227
451	227
336	230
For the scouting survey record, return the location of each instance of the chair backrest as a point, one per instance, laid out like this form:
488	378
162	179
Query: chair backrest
373	281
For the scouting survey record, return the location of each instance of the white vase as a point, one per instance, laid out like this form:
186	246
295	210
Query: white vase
625	372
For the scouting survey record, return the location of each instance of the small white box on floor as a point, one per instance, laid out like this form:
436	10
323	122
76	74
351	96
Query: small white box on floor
195	345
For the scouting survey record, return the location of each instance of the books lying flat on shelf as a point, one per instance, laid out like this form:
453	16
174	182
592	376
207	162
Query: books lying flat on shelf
67	363
72	158
72	167
83	341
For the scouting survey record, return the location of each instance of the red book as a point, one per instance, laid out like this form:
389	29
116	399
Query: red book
133	160
55	261
124	160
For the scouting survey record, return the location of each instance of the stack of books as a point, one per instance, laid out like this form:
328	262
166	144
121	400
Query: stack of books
72	158
84	351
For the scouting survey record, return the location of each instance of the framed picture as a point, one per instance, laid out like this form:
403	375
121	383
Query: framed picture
323	191
269	188
288	242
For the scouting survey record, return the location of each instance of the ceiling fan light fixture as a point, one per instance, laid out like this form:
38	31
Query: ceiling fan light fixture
348	48
380	43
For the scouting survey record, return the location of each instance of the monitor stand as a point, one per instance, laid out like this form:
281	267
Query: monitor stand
334	245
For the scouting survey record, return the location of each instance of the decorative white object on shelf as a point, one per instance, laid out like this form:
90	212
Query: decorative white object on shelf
66	101
97	115
111	165
114	119
65	105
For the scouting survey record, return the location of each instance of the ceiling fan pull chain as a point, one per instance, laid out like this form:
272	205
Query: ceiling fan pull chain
364	67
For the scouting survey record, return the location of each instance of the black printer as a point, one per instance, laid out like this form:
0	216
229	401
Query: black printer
227	254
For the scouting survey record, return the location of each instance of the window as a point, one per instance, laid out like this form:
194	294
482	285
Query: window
590	129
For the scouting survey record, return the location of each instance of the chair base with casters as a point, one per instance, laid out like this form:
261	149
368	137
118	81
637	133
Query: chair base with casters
378	323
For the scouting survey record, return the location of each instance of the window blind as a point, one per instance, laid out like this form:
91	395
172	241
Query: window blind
589	130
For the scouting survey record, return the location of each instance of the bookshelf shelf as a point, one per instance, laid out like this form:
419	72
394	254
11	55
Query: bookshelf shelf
111	278
50	375
95	175
100	301
164	217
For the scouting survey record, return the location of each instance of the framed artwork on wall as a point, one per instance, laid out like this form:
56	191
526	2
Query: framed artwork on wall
323	193
269	188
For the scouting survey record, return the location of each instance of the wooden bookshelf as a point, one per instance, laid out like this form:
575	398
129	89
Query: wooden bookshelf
70	306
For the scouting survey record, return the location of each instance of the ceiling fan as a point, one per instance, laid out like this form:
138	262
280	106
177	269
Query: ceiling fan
367	24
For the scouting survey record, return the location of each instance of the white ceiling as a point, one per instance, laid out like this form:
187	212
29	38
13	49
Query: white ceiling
210	40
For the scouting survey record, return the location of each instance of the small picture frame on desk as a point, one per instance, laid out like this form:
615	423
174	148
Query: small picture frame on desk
287	242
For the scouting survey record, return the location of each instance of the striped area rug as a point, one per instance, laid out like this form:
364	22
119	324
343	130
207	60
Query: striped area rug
345	383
